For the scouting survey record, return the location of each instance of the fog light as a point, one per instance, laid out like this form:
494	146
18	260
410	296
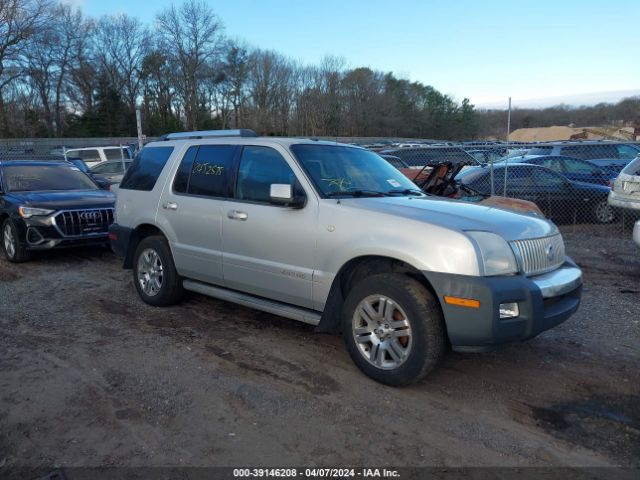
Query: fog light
509	310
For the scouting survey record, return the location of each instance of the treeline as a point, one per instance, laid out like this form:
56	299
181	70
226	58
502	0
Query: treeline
64	74
493	123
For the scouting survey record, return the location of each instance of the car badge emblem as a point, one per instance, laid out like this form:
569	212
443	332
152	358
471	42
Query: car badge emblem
90	216
549	252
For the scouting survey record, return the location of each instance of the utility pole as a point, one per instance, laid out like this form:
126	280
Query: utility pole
506	160
139	125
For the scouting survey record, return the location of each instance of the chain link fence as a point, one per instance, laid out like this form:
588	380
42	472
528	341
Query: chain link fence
569	182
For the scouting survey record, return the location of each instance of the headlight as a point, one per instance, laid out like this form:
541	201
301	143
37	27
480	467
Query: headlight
495	254
27	212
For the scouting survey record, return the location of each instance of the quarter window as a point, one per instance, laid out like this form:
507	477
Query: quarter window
146	168
259	168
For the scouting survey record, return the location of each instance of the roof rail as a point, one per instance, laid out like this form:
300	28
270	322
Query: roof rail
239	132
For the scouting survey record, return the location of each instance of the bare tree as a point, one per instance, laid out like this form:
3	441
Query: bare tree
124	43
83	75
191	35
19	21
50	55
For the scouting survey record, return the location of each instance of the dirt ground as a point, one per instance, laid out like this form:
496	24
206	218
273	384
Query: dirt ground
91	376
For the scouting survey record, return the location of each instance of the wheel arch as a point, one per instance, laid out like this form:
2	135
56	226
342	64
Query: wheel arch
139	233
351	273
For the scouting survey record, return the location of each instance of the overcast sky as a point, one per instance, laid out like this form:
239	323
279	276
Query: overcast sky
538	52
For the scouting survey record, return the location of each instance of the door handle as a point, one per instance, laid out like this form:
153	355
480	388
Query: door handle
237	215
170	206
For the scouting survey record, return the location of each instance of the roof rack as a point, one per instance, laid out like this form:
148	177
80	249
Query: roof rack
239	132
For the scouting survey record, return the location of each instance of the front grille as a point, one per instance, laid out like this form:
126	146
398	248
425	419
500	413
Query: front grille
539	255
83	223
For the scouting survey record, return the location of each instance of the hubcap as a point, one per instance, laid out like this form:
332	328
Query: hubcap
9	241
382	332
604	213
150	272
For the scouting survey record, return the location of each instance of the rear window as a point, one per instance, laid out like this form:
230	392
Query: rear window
146	168
633	168
117	153
41	178
540	151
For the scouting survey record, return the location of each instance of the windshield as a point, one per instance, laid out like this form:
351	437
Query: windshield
36	178
337	169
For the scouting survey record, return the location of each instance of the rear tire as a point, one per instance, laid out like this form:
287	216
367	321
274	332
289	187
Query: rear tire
13	251
393	329
154	273
603	212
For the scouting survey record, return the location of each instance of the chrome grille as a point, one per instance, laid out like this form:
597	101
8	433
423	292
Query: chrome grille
82	223
539	255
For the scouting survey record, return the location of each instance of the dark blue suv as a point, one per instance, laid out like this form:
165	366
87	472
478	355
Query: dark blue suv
49	204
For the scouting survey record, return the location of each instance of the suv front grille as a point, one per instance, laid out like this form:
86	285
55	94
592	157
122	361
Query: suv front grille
82	223
539	255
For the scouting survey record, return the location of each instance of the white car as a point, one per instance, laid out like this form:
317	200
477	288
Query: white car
94	155
626	187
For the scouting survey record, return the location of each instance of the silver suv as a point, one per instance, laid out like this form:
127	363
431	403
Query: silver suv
334	236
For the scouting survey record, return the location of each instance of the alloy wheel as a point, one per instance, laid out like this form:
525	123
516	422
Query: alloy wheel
382	332
9	241
150	272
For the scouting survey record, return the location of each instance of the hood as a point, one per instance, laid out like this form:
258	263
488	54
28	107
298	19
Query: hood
66	199
457	215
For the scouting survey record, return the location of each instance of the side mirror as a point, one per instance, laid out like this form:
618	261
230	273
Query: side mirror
282	194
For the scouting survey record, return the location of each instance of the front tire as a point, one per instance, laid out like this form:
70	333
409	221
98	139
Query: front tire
13	251
393	329
154	273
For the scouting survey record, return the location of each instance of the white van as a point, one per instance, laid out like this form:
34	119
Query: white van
95	155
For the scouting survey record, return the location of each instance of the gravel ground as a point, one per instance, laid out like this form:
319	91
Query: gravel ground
91	376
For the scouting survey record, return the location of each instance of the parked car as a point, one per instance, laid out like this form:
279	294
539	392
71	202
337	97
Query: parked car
84	168
609	156
94	155
49	204
569	167
395	161
110	171
626	187
559	198
333	235
636	233
431	155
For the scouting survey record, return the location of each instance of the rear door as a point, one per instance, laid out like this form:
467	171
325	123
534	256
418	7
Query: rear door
269	249
191	210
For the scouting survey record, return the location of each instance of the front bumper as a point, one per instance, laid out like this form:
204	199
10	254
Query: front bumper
39	233
544	301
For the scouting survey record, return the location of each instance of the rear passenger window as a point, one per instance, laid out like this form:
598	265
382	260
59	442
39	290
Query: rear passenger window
88	155
146	168
259	168
210	171
116	153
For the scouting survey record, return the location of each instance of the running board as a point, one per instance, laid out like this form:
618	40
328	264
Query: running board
270	306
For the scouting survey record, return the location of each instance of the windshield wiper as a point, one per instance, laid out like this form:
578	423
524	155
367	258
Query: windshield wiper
406	191
357	193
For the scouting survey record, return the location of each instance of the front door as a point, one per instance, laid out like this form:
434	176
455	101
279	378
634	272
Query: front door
268	249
